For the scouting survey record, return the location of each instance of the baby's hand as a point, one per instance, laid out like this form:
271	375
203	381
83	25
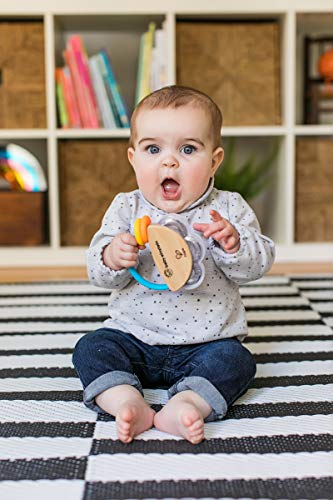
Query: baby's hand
122	252
221	231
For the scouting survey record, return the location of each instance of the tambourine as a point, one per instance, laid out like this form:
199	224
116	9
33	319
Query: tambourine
176	250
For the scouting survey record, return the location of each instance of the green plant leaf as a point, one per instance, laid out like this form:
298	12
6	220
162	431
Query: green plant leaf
250	178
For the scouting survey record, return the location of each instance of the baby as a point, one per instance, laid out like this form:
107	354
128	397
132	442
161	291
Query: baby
189	341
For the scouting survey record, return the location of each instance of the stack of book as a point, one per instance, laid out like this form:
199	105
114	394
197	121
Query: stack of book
88	95
152	69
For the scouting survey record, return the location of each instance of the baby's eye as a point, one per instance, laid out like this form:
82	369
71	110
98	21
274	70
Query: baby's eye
153	149
188	149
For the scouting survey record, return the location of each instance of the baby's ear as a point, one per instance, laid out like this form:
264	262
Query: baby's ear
130	155
217	158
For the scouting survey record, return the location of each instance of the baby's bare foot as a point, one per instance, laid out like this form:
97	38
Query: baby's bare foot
132	419
181	419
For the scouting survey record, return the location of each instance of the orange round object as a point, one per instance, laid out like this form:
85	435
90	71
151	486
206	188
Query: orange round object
137	232
144	223
325	65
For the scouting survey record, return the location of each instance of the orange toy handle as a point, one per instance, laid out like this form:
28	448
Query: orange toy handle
140	230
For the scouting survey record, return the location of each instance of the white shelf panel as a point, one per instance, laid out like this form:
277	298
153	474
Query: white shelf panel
182	6
99	133
42	256
75	256
305	252
254	131
24	134
314	130
275	131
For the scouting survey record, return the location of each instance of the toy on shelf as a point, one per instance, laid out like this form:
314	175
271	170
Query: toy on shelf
21	169
177	252
325	69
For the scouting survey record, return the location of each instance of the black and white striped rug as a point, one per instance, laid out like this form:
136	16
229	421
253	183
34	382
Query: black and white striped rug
275	442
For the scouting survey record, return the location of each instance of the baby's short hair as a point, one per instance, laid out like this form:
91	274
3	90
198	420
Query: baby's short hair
175	96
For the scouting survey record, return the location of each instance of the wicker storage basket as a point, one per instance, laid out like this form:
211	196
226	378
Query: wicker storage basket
314	189
235	63
92	172
22	89
23	218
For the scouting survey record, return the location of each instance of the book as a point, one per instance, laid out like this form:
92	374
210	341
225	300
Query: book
104	73
74	59
149	43
70	98
77	46
115	92
145	60
159	56
104	105
77	86
61	105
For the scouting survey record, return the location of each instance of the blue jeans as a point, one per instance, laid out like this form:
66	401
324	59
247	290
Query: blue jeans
219	371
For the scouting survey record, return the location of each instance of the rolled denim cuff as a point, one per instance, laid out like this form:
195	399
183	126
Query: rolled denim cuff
207	391
106	381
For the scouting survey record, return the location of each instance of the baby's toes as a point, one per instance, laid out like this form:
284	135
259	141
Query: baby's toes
197	426
196	439
194	426
125	438
197	434
123	429
123	426
124	433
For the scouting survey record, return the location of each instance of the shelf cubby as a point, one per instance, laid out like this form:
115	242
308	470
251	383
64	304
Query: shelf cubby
118	34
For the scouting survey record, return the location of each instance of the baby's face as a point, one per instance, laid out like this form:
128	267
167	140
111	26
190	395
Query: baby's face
173	156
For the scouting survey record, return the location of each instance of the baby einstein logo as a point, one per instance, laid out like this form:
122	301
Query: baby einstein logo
168	272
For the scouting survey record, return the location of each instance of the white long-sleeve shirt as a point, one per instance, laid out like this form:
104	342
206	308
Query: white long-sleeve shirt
213	310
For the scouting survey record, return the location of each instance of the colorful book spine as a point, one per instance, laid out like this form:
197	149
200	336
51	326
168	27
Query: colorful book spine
116	95
70	99
77	46
104	74
78	87
63	116
105	109
145	61
148	58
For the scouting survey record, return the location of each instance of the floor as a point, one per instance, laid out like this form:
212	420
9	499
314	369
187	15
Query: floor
274	442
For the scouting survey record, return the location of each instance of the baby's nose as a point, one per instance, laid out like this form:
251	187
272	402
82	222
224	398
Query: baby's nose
170	161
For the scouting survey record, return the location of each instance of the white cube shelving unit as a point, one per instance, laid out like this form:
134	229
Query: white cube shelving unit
118	26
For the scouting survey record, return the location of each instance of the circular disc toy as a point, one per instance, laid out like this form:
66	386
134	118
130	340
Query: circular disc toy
177	252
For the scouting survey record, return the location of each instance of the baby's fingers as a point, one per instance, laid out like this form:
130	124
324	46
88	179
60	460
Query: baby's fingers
214	229
215	216
231	244
128	259
224	234
200	226
128	239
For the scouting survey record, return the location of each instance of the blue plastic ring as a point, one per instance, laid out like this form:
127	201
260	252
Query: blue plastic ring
146	283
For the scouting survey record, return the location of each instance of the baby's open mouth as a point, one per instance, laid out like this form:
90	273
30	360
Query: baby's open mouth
170	189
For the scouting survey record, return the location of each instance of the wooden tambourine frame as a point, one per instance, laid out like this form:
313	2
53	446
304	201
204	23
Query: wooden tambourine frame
171	254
